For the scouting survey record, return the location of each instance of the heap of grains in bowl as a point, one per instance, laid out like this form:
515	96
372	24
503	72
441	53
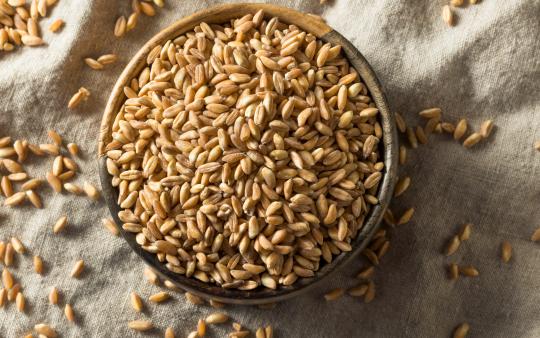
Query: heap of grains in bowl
246	154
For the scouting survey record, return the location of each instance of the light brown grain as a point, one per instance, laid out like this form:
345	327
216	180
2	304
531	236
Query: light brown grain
69	313
506	251
452	245
217	318
334	294
56	25
473	139
461	331
448	15
460	129
159	297
140	325
406	216
60	224
53	296
77	269
535	237
136	302
469	271
46	330
465	232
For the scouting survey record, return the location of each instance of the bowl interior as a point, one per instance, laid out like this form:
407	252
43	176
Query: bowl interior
388	149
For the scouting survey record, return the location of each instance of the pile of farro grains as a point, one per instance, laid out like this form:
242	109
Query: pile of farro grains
246	155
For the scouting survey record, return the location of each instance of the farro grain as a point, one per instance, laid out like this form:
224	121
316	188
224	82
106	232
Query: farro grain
217	318
73	188
46	330
366	273
53	296
13	292
193	299
107	59
147	9
141	325
485	128
334	294
411	136
448	127
448	15
535	237
15	199
201	328
5	141
421	135
31	40
2	250
456	3
54	182
402	186
463	329
77	269
9	255
21	148
31	184
269	331
73	149
453	271
460	129
18	177
69	313
55	137
132	21
56	25
111	226
7	279
20	302
3	297
94	64
136	302
465	232
358	291
402	154
151	276
430	113
120	27
91	191
60	224
473	139
260	333
506	251
215	304
452	245
159	297
38	265
17	245
537	145
400	123
469	271
370	292
406	217
169	333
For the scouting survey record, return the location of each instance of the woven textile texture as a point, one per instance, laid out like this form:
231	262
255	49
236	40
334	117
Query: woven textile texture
487	66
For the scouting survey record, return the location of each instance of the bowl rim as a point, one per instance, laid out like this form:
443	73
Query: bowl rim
220	14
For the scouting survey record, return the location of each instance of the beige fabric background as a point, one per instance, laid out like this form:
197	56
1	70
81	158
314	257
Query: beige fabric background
488	66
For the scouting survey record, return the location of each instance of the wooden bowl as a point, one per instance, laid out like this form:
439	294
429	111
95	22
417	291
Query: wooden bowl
389	146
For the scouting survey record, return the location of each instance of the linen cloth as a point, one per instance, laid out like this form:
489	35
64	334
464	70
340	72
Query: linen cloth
487	66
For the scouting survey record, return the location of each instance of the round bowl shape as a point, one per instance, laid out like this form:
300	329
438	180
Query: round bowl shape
388	148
